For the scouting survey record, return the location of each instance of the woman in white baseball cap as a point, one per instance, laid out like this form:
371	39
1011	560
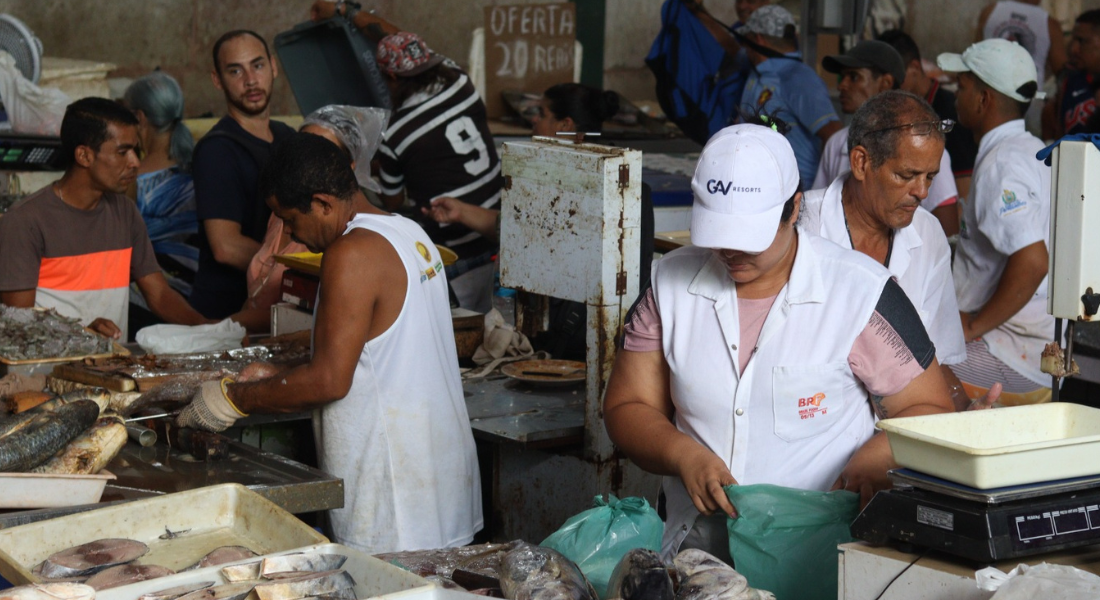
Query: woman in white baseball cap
754	355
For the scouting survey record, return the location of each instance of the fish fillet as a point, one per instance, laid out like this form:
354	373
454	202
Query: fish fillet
301	562
175	592
49	591
125	575
309	585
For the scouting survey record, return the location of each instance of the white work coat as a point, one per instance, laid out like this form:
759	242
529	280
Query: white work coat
1008	210
920	261
797	413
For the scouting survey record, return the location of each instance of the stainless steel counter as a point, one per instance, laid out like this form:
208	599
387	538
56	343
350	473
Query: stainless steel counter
504	410
145	472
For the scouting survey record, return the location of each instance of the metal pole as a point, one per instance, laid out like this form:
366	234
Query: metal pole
1054	378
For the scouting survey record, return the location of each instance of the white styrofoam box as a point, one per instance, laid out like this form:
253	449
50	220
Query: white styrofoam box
51	490
374	578
866	572
204	519
287	318
1001	447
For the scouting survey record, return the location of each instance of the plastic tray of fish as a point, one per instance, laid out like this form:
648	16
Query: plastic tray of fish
178	528
374	578
51	490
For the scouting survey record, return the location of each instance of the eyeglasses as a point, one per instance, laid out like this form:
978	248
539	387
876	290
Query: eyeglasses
922	127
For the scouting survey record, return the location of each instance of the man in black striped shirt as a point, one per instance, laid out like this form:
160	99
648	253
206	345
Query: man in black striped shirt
438	144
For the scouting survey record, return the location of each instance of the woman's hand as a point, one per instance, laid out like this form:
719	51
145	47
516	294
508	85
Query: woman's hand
704	475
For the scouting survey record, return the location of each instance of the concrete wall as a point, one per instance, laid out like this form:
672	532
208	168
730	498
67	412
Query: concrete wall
177	35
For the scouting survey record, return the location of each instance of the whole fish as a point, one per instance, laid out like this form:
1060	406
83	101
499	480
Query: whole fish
89	558
91	451
101	396
535	573
640	575
44	435
49	591
704	577
325	583
125	575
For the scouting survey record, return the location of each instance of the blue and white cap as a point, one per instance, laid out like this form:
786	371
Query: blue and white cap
745	174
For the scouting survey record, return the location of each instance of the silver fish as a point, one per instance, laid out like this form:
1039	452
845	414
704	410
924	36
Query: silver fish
704	577
640	575
535	573
301	562
90	558
175	592
310	584
44	435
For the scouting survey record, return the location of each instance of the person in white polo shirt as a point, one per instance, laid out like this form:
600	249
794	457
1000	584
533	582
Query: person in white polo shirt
761	353
870	68
1001	259
895	143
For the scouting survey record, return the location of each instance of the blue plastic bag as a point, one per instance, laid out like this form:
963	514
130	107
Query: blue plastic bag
784	540
598	538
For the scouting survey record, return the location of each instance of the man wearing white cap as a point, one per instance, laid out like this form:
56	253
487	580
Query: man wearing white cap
755	355
1001	259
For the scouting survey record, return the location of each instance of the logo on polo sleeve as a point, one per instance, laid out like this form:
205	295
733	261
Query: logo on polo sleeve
1011	202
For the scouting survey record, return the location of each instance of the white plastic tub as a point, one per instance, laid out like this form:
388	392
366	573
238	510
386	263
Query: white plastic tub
373	578
204	519
1002	447
51	490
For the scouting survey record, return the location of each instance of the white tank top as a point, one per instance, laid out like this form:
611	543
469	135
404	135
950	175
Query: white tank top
1025	24
401	438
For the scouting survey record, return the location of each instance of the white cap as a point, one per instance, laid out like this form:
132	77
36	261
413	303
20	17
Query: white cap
1003	65
745	174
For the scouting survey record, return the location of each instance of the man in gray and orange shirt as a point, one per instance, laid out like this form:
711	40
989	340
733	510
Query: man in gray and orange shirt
76	244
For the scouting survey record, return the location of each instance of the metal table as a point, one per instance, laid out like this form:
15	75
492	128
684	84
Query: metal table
145	472
504	410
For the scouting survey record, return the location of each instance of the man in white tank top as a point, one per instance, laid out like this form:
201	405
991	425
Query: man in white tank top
1025	23
384	370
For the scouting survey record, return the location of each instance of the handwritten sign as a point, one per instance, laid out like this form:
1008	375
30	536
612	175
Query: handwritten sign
527	47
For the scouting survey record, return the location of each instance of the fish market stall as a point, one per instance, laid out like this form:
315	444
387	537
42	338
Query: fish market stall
85	410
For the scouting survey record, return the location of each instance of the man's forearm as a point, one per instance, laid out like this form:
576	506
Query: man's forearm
172	308
1021	278
299	389
236	252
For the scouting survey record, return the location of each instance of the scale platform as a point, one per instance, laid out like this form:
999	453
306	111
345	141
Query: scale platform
985	526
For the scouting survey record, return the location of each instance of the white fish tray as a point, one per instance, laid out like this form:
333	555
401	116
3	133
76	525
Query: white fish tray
51	490
374	578
1002	447
205	519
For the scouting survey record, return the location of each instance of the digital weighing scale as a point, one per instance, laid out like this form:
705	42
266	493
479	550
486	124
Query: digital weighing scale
985	526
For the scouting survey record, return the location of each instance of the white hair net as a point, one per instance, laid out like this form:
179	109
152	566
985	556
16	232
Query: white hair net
359	129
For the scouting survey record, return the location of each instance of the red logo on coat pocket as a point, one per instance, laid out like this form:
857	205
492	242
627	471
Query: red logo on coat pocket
810	407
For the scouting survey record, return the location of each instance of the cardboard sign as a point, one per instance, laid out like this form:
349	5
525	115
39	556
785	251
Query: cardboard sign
527	47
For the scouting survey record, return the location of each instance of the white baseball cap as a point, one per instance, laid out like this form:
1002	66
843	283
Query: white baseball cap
745	174
1003	65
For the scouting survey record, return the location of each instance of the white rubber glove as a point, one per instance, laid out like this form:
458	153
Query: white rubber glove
210	408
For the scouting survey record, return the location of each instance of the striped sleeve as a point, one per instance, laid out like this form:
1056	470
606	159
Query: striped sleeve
893	349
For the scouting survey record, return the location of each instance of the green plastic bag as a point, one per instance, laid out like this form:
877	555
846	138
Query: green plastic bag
784	540
598	538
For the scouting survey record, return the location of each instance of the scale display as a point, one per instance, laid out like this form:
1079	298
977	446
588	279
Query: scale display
981	531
